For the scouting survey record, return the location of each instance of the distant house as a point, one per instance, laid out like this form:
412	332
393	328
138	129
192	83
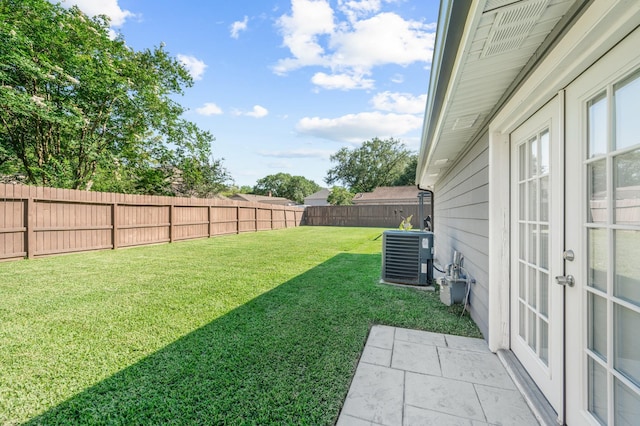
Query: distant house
318	198
388	195
266	199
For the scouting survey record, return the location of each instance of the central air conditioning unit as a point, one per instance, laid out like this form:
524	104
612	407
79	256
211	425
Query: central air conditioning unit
407	257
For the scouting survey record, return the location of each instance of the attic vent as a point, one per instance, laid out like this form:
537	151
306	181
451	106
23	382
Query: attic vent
465	122
512	26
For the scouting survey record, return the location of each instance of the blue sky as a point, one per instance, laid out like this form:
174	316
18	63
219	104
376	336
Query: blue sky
283	84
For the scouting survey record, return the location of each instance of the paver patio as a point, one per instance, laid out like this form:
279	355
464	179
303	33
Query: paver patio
410	377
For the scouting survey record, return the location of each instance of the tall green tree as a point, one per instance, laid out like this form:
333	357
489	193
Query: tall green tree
294	188
408	176
340	196
375	163
78	108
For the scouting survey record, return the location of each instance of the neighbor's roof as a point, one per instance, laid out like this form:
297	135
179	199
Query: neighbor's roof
263	199
389	195
320	195
483	49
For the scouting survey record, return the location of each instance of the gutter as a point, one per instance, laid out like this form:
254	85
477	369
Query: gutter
450	28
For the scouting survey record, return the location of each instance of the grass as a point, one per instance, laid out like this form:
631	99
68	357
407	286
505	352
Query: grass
257	328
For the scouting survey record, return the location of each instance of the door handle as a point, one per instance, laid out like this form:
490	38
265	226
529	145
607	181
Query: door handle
566	280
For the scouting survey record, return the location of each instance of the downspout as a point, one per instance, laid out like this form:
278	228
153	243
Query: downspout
422	209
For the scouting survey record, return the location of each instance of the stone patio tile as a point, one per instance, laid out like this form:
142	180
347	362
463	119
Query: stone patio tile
377	356
505	407
376	395
443	395
354	421
416	357
474	367
414	416
467	344
423	337
381	336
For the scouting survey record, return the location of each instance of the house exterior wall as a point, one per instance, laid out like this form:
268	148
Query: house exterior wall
461	222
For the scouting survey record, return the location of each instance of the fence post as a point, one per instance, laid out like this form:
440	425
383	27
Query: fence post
30	222
255	215
209	210
237	219
172	214
114	224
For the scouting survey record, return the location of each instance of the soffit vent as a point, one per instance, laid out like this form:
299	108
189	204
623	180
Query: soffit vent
512	26
465	122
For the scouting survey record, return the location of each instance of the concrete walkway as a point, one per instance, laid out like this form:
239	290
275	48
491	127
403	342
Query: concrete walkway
410	377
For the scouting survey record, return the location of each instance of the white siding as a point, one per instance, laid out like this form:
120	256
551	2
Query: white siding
461	222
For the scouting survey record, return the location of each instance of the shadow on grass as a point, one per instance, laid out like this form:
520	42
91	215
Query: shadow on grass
286	356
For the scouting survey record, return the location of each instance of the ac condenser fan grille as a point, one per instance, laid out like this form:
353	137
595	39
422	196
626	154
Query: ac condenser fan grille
403	255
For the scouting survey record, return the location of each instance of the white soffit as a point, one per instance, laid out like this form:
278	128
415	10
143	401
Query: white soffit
496	49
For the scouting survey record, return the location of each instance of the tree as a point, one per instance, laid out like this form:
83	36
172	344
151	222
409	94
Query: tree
375	163
80	110
199	179
408	176
233	189
294	188
340	196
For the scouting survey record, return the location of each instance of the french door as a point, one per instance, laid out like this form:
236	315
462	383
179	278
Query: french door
603	229
537	320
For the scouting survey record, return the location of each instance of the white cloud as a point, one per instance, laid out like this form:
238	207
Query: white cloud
101	7
357	8
383	39
356	128
209	108
194	65
366	39
298	153
257	112
301	30
238	26
397	78
341	81
404	103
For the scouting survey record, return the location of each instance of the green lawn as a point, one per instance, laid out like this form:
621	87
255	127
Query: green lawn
245	329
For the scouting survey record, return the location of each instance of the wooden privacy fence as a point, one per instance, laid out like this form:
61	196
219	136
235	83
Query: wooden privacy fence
379	215
38	221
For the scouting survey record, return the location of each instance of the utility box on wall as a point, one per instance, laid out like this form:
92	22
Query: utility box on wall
452	290
407	257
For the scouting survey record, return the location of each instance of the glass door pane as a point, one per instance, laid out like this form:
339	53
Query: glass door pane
533	225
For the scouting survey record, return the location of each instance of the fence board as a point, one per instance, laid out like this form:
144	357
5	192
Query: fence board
12	224
39	221
381	216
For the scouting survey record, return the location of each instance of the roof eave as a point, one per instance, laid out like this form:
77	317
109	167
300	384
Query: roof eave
452	20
